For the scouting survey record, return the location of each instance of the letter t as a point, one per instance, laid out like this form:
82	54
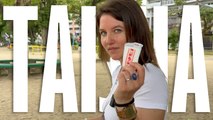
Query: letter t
20	16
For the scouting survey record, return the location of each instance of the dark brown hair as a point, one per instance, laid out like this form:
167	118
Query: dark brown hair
136	26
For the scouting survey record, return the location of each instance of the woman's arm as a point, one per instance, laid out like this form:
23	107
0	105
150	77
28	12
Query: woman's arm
150	114
131	113
126	89
96	118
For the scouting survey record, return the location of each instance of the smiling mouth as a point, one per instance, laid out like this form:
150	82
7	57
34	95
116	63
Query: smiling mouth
112	48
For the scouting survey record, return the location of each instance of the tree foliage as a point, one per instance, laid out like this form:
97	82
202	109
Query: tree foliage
179	2
4	26
139	2
206	14
8	2
44	7
207	18
173	38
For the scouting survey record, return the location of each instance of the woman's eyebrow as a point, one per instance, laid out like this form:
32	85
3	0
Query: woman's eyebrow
117	26
101	29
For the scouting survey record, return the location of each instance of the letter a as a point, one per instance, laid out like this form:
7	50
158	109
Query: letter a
51	85
183	85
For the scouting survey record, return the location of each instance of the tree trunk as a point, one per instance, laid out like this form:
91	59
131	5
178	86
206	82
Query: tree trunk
94	2
22	2
44	36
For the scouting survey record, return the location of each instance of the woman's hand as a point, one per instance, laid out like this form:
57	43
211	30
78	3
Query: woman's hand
127	86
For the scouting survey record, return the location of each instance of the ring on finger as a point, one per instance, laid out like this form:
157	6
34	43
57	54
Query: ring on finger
127	79
133	76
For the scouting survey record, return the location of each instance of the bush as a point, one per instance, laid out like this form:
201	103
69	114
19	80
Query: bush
173	39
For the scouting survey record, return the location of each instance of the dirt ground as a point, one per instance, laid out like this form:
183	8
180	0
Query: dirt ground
102	88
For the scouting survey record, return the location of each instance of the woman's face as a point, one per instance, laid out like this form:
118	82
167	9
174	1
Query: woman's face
113	36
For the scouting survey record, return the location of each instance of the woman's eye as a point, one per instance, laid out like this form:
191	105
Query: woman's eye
117	30
102	33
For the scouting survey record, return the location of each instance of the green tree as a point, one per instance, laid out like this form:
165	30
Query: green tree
4	26
207	18
173	38
44	6
139	2
179	2
8	2
206	14
74	9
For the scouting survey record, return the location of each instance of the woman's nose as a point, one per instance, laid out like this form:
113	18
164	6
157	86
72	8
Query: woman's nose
109	39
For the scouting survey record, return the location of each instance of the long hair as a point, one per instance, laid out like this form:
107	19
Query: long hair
136	26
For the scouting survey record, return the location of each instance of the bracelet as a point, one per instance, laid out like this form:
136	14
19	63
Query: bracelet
127	113
113	103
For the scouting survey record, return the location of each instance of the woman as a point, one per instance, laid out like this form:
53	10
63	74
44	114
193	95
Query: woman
119	22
